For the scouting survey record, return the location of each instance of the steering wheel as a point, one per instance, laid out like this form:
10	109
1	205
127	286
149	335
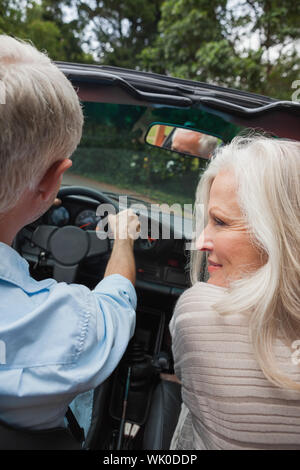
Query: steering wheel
69	245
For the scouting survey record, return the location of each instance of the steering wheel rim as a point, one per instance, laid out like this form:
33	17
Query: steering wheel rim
88	192
70	245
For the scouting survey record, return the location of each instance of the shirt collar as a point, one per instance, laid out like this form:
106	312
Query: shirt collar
15	269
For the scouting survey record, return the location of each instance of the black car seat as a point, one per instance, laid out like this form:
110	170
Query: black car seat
163	416
97	434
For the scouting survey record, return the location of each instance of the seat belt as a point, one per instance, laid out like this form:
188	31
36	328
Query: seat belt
76	430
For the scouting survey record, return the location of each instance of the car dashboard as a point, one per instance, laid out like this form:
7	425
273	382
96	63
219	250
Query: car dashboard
161	273
160	262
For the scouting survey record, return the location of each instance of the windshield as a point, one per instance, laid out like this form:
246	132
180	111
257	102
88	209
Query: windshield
113	157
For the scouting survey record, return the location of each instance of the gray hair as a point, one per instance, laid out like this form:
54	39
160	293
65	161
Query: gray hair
267	172
40	118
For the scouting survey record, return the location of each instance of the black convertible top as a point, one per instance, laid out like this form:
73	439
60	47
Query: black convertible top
247	109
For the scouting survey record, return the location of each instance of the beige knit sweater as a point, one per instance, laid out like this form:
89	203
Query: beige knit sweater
227	401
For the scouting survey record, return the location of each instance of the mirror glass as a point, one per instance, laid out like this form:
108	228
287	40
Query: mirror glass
182	140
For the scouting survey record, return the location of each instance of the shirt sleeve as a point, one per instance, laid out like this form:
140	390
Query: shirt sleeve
68	341
110	327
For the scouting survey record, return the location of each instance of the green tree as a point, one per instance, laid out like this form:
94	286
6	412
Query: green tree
120	30
264	36
246	44
185	27
45	25
10	17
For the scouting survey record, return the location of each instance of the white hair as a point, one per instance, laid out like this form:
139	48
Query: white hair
267	172
40	118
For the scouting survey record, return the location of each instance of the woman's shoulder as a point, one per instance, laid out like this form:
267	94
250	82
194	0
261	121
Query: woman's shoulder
197	303
200	297
201	291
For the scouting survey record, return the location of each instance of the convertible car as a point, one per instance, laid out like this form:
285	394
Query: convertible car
128	158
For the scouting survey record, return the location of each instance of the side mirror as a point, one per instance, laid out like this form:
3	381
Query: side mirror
182	140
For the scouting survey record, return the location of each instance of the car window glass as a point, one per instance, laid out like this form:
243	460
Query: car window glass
114	157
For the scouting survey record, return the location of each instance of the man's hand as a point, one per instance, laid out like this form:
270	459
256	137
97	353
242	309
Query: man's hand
57	202
125	225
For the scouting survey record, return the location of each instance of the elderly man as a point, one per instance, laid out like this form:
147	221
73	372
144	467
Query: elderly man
61	339
193	143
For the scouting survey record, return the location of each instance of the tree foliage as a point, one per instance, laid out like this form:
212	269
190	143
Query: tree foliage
185	26
120	30
44	24
247	44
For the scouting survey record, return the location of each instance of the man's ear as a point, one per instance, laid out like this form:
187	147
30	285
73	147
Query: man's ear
51	180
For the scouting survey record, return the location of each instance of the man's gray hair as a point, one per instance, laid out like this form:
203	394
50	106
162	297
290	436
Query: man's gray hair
40	119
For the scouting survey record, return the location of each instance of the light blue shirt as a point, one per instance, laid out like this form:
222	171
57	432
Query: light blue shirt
56	340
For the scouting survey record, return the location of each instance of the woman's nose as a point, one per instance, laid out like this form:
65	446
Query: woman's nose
204	241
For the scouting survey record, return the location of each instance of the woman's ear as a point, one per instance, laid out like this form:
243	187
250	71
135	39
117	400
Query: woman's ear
51	180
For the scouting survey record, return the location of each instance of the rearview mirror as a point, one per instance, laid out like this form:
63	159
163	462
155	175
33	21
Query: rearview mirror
182	140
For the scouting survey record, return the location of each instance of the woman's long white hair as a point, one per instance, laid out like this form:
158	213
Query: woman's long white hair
267	172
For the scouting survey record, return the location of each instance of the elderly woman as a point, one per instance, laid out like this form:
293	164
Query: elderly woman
235	336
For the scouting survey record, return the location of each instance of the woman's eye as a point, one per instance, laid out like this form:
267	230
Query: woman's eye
218	221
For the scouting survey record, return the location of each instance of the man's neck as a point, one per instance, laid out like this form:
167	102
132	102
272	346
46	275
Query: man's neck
27	209
11	223
8	230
